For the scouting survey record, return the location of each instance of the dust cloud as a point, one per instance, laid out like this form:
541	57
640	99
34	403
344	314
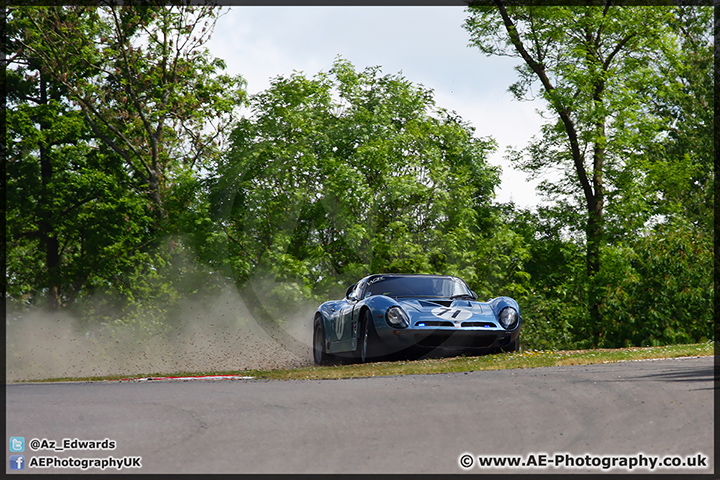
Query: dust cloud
218	334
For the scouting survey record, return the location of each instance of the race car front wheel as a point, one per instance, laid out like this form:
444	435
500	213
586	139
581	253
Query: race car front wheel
320	355
368	341
513	347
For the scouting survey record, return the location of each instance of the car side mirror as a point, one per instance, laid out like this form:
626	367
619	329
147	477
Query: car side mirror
474	295
349	291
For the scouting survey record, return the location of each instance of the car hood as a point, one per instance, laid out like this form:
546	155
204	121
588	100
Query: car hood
428	304
448	313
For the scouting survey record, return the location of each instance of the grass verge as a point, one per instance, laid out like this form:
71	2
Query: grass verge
503	361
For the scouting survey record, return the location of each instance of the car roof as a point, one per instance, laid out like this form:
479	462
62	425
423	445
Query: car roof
409	275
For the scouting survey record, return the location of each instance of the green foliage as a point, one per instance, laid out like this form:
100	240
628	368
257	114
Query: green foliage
549	279
350	173
656	288
143	80
627	91
72	223
660	288
114	115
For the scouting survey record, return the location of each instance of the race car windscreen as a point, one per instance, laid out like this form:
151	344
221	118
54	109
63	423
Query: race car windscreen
416	287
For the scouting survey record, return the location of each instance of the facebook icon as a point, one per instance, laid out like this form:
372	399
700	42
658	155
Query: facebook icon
17	462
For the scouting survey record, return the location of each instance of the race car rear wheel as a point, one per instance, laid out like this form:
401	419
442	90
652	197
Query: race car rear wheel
320	355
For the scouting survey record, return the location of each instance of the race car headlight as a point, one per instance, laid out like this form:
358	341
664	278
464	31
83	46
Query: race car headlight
508	318
397	318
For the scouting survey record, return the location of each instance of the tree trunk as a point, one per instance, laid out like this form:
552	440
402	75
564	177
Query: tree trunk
595	229
47	231
594	236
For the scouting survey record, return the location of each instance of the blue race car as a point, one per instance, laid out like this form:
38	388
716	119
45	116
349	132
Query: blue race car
391	313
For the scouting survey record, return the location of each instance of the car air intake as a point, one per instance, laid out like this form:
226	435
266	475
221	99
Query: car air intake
444	303
434	323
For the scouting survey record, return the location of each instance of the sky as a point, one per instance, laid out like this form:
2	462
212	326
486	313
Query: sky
427	45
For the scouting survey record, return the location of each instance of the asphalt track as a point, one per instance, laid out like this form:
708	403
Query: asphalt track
411	424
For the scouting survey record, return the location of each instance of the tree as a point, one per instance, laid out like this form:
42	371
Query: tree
597	67
660	288
551	288
350	173
114	114
143	80
72	221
